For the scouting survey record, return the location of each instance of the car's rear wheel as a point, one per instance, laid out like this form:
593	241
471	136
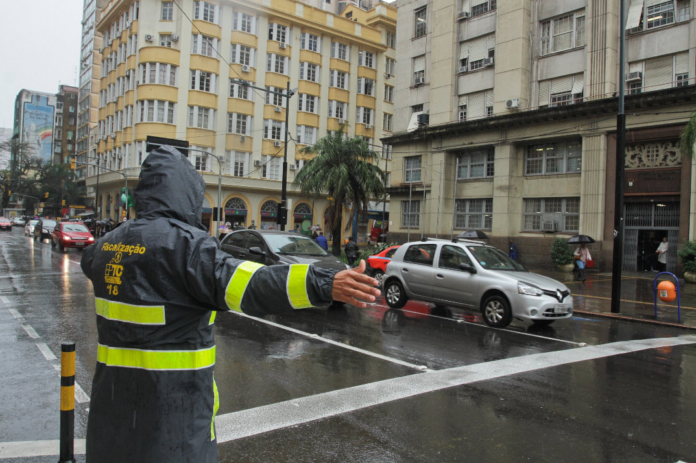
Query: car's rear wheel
395	295
379	276
496	312
543	322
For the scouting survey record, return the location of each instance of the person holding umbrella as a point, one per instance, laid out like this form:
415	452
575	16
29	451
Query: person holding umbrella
582	256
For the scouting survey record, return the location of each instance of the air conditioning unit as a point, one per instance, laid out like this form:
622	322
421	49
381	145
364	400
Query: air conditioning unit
257	163
175	37
463	15
283	45
149	38
549	226
634	76
420	80
277	144
487	62
463	69
341	120
512	104
292	166
246	68
368	126
278	109
242	139
423	119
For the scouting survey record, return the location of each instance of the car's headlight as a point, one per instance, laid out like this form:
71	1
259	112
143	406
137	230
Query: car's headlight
527	289
66	238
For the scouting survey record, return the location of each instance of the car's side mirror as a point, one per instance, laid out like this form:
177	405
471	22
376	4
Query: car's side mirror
257	251
467	268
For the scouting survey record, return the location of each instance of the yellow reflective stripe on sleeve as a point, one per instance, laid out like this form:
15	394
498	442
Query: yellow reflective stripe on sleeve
216	406
238	284
212	317
297	286
138	314
156	359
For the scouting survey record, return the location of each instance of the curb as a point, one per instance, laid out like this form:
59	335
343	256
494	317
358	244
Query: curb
634	319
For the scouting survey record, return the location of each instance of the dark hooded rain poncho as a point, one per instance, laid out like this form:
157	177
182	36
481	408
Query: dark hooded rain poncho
159	281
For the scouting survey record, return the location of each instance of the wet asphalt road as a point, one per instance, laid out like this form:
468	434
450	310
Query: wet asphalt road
619	407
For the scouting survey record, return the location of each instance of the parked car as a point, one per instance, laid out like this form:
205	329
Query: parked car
43	229
380	228
5	224
471	274
377	263
18	221
271	247
29	227
71	235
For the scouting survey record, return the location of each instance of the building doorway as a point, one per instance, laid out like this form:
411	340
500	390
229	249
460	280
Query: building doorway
647	223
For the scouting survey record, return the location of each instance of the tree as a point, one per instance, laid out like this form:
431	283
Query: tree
345	170
23	168
688	137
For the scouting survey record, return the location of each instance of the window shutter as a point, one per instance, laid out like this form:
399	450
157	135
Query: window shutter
463	100
317	75
286	67
359	115
217	15
491	41
360	58
300	103
360	85
196	10
658	73
332	76
478	49
578	83
250	122
282	131
318	44
333	49
235	21
303	41
561	85
419	64
544	88
331	108
302	69
252	58
269	62
682	63
635	67
233	57
265	128
489	98
347	52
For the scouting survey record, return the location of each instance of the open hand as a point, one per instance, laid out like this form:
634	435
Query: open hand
351	285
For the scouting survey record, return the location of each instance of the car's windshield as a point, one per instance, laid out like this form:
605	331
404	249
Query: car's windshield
494	259
75	227
49	223
33	222
298	245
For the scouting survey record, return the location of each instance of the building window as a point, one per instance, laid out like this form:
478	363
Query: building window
277	32
475	105
563	33
387	152
276	63
367	59
337	109
410	216
239	124
167	11
660	14
635	87
366	86
388	123
391	40
553	158
273	130
421	22
658	73
419	70
157	73
274	96
272	171
244	22
237	90
203	81
473	214
476	164
340	51
307	103
389	66
562	91
338	79
243	55
156	111
202	118
309	72
205	11
203	45
682	80
412	169
365	115
552	214
306	135
237	164
683	10
165	40
389	93
309	42
483	8
477	53
417	108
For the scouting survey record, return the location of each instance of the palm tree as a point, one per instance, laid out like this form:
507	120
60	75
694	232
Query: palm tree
345	170
688	137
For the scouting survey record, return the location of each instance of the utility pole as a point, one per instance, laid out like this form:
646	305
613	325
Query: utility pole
96	195
425	174
439	194
284	187
617	262
454	199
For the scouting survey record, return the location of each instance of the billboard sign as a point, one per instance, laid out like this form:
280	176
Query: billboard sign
37	126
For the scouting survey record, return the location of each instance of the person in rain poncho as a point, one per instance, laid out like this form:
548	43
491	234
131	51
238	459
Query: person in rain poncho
159	281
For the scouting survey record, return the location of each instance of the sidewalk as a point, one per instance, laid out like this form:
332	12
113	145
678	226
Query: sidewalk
637	297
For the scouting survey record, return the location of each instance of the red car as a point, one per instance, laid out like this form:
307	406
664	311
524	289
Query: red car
5	224
377	264
71	235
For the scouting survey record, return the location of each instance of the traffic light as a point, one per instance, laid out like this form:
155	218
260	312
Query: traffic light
282	217
72	164
63	203
46	195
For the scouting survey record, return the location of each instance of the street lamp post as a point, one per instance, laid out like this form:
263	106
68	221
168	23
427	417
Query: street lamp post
125	178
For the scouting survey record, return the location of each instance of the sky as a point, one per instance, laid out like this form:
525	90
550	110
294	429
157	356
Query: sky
40	48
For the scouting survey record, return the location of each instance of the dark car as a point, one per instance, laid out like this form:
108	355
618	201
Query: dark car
5	224
278	248
71	235
43	229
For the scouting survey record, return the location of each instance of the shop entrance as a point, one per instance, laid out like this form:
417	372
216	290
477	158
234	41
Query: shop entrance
646	225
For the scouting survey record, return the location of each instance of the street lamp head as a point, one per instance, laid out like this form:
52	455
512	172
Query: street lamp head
292	92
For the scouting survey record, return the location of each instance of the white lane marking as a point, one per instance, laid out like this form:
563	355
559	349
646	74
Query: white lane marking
4	299
38	275
580	344
293	412
46	351
30	331
336	343
37	448
16	314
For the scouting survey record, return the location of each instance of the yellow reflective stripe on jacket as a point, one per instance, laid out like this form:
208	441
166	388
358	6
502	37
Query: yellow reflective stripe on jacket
156	359
138	314
238	284
216	406
212	317
297	286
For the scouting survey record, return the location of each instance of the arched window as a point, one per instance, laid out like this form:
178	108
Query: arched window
269	206
236	203
304	209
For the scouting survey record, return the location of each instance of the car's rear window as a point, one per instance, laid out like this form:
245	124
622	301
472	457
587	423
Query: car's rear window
74	227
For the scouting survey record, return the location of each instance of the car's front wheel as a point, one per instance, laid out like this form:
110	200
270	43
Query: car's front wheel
379	276
496	312
395	295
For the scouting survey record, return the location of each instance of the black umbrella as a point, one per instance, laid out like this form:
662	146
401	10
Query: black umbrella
476	234
578	239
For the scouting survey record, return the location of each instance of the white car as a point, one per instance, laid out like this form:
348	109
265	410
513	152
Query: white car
17	221
29	228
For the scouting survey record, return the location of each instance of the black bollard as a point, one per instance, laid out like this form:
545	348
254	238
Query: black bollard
67	403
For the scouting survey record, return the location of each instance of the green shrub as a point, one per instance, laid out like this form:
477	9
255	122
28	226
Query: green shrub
687	255
560	252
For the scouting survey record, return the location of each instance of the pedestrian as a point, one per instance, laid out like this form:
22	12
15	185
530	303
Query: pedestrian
352	251
159	280
252	226
662	255
581	256
513	250
321	241
314	235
